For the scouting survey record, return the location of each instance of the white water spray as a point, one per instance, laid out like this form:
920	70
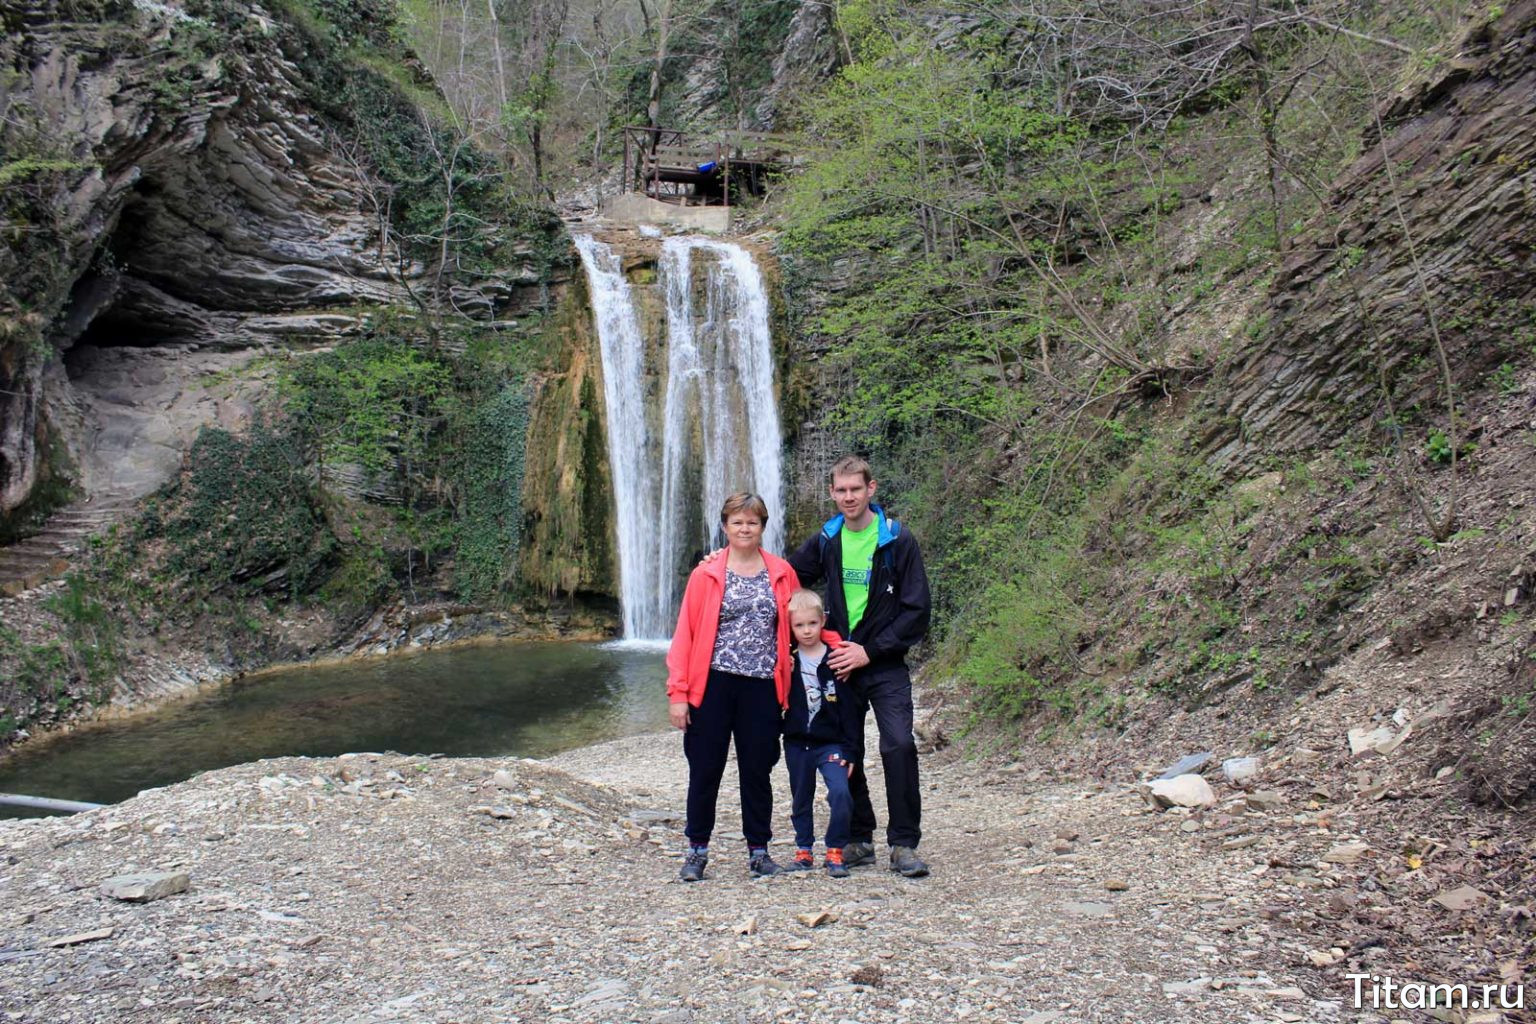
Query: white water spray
717	431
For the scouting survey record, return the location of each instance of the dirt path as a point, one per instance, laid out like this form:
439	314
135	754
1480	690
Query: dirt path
387	888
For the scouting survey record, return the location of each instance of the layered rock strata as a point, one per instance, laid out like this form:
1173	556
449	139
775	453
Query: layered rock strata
1437	243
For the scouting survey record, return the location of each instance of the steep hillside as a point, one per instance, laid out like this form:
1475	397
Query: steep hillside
1165	377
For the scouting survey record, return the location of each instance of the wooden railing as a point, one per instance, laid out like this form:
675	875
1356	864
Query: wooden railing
657	157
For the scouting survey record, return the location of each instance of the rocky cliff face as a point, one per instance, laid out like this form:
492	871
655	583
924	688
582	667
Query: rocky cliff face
1438	242
182	174
568	530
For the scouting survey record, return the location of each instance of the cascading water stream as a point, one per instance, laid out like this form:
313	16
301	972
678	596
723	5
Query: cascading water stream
623	351
717	430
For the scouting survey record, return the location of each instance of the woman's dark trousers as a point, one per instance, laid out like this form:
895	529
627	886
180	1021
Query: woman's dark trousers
748	710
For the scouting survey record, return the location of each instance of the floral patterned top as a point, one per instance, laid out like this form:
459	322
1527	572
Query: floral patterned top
747	642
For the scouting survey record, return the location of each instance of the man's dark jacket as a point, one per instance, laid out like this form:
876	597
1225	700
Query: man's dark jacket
896	617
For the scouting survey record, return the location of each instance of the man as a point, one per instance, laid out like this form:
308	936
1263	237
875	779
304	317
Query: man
877	597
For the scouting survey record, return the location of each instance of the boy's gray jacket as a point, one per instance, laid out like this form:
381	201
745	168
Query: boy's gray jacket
899	608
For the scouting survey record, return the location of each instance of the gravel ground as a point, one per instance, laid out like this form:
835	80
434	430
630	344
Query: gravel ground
380	887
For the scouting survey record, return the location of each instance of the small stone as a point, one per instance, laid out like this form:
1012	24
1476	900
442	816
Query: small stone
747	926
1087	909
1462	898
816	919
1239	771
1240	843
500	813
1263	800
1183	791
504	779
1189	825
572	805
77	939
870	975
609	991
1185	765
1369	741
1346	853
1116	884
146	888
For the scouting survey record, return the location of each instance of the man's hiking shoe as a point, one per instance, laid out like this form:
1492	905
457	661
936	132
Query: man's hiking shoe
804	861
762	865
835	866
906	862
693	867
855	854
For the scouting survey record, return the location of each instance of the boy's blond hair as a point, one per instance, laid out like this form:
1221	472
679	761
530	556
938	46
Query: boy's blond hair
804	600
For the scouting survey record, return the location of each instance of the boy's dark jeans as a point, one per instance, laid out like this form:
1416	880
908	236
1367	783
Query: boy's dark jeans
886	688
804	761
748	710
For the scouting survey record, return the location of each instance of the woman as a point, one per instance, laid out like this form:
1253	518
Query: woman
728	676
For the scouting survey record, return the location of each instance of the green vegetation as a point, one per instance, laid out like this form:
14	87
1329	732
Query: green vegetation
1012	330
243	513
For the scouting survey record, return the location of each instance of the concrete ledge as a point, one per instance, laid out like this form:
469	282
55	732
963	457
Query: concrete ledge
633	208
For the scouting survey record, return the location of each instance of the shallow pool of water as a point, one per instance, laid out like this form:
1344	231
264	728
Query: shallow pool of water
523	699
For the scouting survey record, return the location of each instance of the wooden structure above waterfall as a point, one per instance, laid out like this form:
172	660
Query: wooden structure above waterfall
667	165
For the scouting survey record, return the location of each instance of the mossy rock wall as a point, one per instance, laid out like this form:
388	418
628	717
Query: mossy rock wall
568	535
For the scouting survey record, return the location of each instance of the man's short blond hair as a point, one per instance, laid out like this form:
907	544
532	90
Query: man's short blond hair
850	465
807	601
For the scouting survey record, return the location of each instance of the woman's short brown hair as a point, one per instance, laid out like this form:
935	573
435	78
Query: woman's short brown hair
744	501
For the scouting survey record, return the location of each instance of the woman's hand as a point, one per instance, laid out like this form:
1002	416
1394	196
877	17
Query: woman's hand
678	713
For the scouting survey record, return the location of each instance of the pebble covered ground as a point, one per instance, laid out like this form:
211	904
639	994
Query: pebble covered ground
383	887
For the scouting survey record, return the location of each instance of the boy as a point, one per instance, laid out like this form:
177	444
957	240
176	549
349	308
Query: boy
816	736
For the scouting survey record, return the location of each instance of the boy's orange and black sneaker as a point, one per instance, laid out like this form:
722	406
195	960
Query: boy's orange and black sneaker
834	862
804	861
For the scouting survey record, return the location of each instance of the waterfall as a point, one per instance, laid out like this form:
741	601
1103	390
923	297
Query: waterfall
622	347
712	429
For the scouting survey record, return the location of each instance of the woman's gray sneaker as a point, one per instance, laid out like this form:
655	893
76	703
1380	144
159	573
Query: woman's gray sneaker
905	860
855	854
693	867
762	865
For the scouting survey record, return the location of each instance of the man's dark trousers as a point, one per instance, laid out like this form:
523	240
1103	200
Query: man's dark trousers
886	688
